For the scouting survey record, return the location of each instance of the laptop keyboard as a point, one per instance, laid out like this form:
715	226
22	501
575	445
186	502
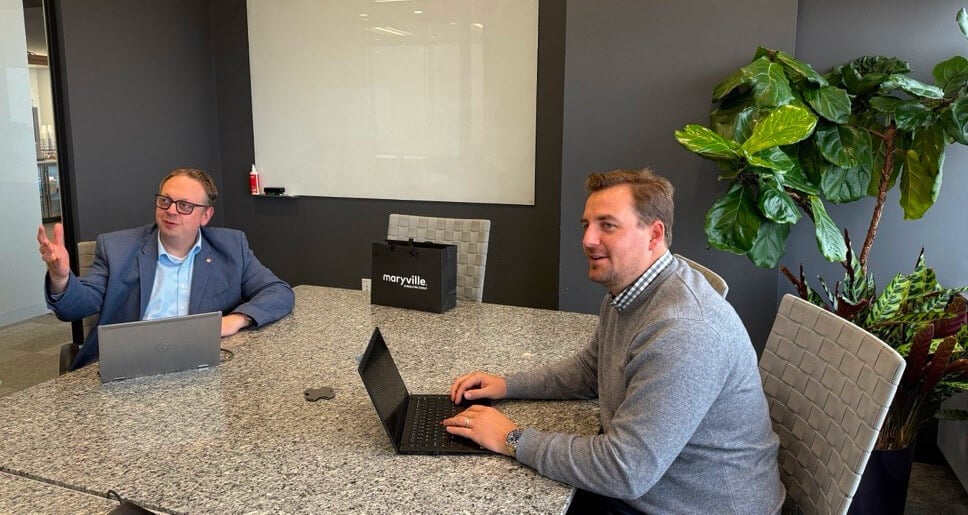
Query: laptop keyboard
427	430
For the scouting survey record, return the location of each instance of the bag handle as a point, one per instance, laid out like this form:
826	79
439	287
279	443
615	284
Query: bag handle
410	247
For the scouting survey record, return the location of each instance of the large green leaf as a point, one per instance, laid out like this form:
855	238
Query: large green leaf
763	52
813	164
770	86
795	179
911	86
797	69
851	80
921	179
886	104
736	121
951	130
784	126
829	240
830	102
912	115
733	221
959	117
951	75
776	204
772	158
844	145
770	245
864	75
870	119
732	82
707	143
841	185
880	65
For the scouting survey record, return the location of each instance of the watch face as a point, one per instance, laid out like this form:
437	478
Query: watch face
511	442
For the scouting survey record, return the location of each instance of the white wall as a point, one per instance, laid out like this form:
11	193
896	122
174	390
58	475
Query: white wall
21	272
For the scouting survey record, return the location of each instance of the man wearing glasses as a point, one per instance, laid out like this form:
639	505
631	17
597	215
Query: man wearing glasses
175	266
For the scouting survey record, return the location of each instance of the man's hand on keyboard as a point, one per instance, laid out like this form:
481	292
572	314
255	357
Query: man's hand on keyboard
485	425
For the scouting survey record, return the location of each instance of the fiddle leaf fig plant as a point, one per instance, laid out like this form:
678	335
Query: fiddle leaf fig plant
790	141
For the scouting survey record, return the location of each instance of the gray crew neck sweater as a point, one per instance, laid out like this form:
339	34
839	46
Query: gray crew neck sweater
685	423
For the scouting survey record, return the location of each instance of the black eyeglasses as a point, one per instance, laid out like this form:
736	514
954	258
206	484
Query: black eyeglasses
182	206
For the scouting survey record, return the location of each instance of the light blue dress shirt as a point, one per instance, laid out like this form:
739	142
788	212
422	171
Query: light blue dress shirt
173	283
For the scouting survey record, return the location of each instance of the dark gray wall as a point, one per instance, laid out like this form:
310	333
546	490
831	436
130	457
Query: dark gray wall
318	240
141	101
153	86
635	72
923	34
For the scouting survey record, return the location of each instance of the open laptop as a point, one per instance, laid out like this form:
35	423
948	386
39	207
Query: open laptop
148	347
412	421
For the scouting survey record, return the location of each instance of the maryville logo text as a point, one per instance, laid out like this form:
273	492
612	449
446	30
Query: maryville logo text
414	281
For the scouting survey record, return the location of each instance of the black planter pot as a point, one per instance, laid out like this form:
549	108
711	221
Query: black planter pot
884	484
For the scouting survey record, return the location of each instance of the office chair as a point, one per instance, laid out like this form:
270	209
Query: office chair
829	384
470	236
68	351
717	282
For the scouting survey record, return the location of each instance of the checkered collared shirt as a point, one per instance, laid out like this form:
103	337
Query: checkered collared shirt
622	301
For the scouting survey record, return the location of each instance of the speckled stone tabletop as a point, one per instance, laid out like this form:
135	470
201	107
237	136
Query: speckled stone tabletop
241	438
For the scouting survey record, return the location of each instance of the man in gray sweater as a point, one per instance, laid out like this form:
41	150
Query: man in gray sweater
685	424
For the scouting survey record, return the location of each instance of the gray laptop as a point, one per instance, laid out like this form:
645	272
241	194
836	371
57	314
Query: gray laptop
411	421
148	347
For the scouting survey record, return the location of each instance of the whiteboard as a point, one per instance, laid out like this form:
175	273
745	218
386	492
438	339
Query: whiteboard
396	99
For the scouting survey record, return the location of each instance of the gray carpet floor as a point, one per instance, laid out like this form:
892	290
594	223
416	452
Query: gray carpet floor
29	352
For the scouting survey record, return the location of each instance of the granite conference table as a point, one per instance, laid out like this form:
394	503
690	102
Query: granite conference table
22	495
241	437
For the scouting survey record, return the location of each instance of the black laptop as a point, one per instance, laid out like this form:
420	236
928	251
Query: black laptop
412	421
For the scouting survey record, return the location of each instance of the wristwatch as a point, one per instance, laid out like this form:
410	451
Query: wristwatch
511	441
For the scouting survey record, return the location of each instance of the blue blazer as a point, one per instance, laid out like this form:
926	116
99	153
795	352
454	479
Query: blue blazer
227	277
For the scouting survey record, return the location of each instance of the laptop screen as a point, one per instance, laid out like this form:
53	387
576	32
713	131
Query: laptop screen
385	386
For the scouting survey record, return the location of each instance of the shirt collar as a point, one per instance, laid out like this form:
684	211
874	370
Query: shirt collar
167	258
624	299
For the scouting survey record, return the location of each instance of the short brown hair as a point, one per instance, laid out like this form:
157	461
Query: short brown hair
210	190
651	193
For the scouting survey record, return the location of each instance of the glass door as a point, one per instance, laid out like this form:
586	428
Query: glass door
42	106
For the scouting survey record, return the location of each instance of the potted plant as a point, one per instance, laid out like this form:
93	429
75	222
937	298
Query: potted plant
790	140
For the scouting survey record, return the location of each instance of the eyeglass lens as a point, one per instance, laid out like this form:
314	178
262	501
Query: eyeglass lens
182	206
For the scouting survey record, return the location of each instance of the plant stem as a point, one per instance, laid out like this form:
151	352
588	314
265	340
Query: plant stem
883	185
803	203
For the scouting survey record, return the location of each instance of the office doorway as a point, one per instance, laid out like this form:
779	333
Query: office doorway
42	112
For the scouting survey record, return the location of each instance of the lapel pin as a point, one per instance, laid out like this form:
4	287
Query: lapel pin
208	260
